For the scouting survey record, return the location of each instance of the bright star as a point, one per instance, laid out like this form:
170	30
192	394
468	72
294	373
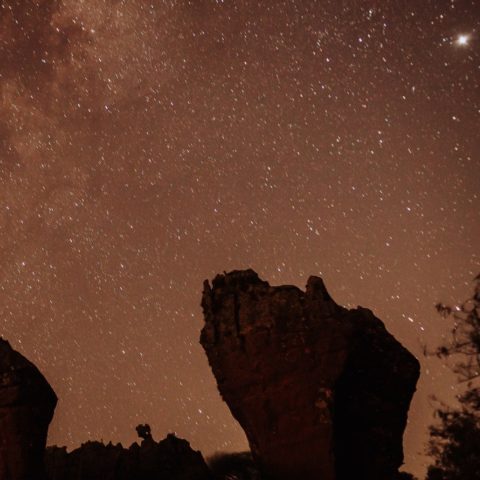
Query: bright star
462	40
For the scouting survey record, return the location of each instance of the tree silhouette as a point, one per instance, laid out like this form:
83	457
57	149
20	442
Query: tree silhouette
455	440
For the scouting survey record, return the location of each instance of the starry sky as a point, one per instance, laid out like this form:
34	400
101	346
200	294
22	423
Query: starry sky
147	146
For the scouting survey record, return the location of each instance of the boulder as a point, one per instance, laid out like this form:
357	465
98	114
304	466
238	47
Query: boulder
321	391
27	403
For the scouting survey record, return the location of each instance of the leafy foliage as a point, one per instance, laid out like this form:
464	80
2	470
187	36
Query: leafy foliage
465	341
455	441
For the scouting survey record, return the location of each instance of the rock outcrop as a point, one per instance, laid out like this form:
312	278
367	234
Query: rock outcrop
169	459
27	403
322	392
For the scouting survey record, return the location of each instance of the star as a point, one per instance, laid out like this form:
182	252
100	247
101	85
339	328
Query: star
462	40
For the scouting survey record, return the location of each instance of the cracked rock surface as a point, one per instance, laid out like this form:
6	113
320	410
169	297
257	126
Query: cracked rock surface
321	391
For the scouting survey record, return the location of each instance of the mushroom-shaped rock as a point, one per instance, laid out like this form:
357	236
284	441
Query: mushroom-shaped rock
27	403
322	392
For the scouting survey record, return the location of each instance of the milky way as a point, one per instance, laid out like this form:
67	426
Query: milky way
146	146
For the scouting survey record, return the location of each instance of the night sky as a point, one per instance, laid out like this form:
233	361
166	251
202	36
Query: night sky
147	146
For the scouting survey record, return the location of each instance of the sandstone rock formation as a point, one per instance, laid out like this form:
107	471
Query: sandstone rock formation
27	403
169	459
322	392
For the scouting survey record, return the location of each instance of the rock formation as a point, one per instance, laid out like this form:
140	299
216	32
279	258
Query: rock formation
27	403
322	392
169	459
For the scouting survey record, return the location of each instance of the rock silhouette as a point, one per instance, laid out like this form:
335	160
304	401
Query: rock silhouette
169	459
321	391
27	403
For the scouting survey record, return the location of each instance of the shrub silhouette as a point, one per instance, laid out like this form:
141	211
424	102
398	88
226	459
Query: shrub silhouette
455	440
233	466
